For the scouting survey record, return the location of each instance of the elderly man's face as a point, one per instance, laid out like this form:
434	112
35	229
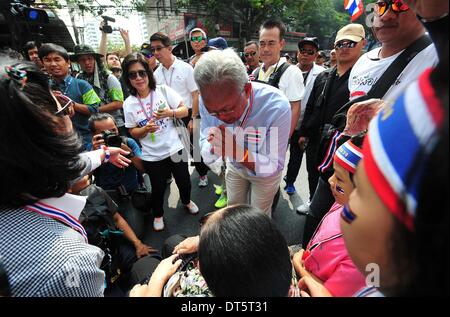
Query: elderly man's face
226	101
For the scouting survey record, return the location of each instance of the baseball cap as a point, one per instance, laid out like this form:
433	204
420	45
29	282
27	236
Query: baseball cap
145	49
352	32
198	30
219	42
309	40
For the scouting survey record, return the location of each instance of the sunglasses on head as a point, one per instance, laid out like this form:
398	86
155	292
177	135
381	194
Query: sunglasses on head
305	51
66	109
345	44
147	54
134	75
250	54
197	39
397	6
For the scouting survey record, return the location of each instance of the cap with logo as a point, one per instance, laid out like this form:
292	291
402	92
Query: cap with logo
351	32
309	40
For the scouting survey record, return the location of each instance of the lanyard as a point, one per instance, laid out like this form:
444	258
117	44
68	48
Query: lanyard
171	75
143	108
249	110
68	86
58	214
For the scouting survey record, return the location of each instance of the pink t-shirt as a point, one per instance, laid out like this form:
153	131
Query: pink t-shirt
329	260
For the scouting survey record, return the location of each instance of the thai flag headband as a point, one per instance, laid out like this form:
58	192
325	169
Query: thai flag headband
348	156
399	143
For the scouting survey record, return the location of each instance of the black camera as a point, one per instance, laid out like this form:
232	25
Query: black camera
111	138
106	27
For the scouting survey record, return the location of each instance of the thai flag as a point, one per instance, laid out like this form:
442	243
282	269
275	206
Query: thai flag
354	7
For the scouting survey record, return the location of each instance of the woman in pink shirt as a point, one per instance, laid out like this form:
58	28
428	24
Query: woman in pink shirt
326	258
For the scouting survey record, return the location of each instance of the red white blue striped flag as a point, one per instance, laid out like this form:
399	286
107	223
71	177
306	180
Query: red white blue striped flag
354	7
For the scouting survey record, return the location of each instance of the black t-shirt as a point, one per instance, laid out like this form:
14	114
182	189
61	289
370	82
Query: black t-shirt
338	95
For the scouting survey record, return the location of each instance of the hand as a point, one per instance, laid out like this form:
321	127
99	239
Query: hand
102	24
151	127
165	270
97	141
191	126
165	113
143	250
118	157
188	246
124	34
126	148
312	288
360	114
219	138
302	142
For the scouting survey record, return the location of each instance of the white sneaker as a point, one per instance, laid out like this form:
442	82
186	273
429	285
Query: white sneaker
192	207
158	224
203	181
304	208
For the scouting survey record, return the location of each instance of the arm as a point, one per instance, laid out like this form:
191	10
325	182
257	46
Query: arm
126	40
115	94
195	110
296	111
141	248
113	106
140	133
102	47
91	101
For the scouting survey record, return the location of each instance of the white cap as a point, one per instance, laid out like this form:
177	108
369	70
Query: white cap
198	30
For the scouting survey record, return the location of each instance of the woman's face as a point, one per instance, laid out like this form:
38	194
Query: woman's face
341	185
138	76
368	237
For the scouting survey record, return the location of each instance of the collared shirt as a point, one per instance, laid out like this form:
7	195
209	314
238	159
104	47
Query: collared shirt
81	92
44	257
179	77
291	83
266	131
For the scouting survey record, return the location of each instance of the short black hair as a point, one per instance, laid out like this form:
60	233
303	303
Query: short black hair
99	117
163	38
132	59
29	46
243	254
49	48
252	43
38	162
272	24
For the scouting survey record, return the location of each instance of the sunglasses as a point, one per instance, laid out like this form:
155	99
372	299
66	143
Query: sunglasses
197	39
305	51
396	5
157	49
67	109
140	73
250	54
345	44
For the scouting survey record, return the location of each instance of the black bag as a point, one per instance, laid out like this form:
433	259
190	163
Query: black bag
97	219
274	79
331	133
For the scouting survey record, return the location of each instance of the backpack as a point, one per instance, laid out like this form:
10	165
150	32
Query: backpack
332	134
275	77
97	219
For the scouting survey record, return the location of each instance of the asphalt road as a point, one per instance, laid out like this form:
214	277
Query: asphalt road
178	220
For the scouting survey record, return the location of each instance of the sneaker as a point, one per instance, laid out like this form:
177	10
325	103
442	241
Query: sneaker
158	224
290	189
219	189
203	182
222	202
304	209
192	207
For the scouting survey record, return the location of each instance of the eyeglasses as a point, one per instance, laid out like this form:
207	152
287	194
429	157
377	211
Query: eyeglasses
157	49
345	44
205	218
221	113
67	109
250	54
140	73
197	39
396	5
305	51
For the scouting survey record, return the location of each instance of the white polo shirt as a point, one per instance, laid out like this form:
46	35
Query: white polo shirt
291	83
179	77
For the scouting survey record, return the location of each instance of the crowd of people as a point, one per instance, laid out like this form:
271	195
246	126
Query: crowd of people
79	150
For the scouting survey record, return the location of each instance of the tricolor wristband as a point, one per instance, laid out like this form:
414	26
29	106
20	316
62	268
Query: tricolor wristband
107	154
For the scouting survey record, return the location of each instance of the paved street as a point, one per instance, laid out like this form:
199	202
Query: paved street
179	221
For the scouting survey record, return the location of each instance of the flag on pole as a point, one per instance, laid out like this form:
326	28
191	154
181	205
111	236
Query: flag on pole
354	7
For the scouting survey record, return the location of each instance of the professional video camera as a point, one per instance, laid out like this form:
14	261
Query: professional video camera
111	138
23	10
106	27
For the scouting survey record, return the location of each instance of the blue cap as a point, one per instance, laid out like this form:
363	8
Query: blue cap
219	42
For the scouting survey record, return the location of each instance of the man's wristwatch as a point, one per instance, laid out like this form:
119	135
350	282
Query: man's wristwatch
107	154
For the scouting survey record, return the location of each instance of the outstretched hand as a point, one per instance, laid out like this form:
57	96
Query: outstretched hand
118	157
